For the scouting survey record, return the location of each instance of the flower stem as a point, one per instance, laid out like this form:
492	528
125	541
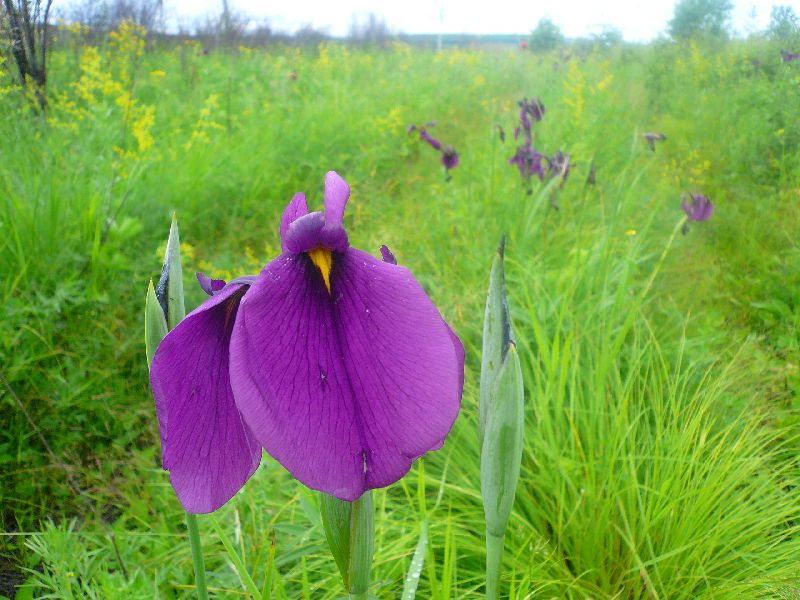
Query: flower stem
494	555
197	556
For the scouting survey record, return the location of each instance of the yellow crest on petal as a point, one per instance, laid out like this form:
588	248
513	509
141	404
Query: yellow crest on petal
323	259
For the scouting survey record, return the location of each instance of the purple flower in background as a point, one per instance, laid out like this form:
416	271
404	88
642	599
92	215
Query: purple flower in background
207	448
652	138
336	363
698	208
789	56
449	159
533	109
558	166
529	161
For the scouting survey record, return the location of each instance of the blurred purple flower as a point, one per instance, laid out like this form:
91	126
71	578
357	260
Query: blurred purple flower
533	109
558	166
529	161
789	56
698	208
335	362
449	157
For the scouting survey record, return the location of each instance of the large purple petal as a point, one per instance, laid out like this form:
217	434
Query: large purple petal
296	208
344	389
337	192
208	450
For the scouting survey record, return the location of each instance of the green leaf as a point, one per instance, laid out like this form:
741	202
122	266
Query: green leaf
415	569
497	334
336	523
155	325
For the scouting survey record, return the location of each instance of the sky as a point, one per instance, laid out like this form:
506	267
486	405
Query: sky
639	20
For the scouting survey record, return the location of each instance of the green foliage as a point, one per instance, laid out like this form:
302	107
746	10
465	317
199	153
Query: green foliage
545	36
608	37
693	18
784	24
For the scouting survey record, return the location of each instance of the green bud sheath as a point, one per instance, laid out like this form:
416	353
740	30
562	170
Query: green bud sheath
502	421
155	325
169	290
350	531
496	333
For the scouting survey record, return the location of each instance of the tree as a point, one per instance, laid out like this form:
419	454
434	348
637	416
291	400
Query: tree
608	37
694	18
784	24
27	23
546	36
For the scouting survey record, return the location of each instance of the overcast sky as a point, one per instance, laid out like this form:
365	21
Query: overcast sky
639	20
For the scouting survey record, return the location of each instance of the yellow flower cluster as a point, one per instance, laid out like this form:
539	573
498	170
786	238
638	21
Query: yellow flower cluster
98	87
206	122
575	88
128	39
688	170
391	124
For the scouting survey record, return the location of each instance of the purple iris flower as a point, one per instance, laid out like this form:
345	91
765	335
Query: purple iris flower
699	208
336	363
449	158
207	448
529	109
529	161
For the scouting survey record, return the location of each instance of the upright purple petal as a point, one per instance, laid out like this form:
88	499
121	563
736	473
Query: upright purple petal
208	450
209	286
344	389
337	192
296	208
387	255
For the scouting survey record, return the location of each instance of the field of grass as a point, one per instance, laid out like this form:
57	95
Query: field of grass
662	367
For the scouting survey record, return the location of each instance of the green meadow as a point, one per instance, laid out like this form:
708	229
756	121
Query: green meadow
661	358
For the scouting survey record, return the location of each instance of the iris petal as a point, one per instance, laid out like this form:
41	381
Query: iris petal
337	193
208	450
344	389
296	208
